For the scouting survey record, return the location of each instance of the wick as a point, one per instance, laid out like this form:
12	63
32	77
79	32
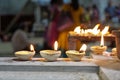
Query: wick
101	45
81	51
32	50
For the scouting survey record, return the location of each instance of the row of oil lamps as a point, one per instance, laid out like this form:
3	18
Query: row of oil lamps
52	55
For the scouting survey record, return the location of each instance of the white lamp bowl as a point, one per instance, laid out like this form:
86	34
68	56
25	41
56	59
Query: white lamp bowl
75	55
24	55
50	55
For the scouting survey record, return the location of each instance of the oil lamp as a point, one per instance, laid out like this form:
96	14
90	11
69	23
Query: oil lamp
51	55
99	49
77	55
25	55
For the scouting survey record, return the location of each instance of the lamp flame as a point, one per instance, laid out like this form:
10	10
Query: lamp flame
55	45
77	30
83	48
105	30
31	47
82	31
96	26
102	40
95	30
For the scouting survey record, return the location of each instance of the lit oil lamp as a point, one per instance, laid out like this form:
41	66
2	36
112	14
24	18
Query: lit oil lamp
25	55
99	49
77	55
51	55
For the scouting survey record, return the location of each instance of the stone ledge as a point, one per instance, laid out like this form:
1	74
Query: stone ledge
38	64
108	67
9	75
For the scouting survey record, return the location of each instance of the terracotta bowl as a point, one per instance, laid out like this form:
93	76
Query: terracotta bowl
98	49
75	55
50	55
24	55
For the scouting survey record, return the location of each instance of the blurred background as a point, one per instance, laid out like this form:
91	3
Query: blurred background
39	15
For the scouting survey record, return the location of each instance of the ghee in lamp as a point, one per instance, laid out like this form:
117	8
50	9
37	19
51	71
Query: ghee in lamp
25	55
76	55
51	55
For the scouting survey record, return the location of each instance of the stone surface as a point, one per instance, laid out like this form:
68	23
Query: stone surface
109	74
99	68
39	64
39	69
47	76
109	67
109	62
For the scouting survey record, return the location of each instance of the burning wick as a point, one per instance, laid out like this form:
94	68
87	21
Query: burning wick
81	51
55	45
83	48
101	45
32	48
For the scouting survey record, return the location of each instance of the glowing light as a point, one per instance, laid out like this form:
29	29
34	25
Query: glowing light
77	29
83	48
105	30
102	40
95	30
55	45
32	48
